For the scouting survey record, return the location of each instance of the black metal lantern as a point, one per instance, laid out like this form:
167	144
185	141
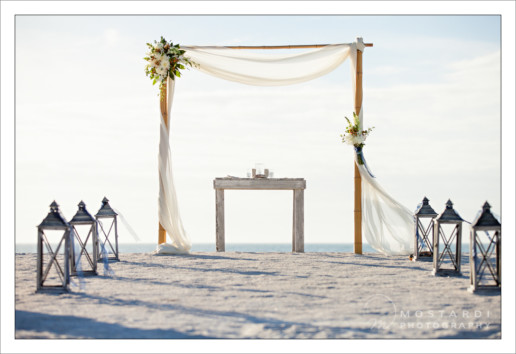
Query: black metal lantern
106	212
448	229
54	271
83	217
485	247
423	235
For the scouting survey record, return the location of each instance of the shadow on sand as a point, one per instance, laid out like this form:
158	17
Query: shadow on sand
202	269
80	327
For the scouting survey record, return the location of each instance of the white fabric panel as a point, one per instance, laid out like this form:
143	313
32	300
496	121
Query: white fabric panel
251	68
169	216
387	225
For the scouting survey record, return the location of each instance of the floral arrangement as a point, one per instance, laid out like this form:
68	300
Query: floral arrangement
353	135
165	59
356	137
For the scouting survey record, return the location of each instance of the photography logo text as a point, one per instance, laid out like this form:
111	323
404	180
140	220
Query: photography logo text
381	313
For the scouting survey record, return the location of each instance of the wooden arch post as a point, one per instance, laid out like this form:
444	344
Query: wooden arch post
162	233
357	245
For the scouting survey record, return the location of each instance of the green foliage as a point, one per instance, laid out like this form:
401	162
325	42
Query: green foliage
353	135
165	59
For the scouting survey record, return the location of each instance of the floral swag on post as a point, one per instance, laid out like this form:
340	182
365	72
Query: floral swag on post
165	59
354	136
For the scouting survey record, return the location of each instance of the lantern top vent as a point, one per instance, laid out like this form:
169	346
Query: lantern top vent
54	219
449	214
82	215
425	209
105	210
486	218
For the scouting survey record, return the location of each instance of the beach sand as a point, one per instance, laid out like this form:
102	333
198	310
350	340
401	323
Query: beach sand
257	295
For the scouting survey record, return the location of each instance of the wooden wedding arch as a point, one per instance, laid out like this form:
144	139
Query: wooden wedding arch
357	212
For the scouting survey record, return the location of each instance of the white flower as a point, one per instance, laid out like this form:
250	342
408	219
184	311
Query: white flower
354	139
162	72
155	63
159	58
161	64
165	63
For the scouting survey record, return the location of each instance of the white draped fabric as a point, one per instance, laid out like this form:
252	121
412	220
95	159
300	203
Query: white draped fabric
387	225
381	213
169	216
251	68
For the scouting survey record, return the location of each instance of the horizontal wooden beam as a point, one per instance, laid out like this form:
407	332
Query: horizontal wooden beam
259	183
268	46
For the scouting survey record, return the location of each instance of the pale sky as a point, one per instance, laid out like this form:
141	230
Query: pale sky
87	121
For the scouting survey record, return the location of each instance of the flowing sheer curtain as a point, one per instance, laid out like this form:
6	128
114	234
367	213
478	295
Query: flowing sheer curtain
251	68
386	224
168	210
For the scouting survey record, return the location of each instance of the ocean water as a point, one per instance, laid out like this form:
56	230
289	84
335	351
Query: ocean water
230	247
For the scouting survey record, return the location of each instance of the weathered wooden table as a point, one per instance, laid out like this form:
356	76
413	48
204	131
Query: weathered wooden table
298	185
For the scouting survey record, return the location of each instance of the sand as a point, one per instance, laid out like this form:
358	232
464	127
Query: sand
257	295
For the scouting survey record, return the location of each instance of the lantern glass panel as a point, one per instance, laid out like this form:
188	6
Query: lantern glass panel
108	238
449	231
484	257
84	259
425	236
53	257
448	257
